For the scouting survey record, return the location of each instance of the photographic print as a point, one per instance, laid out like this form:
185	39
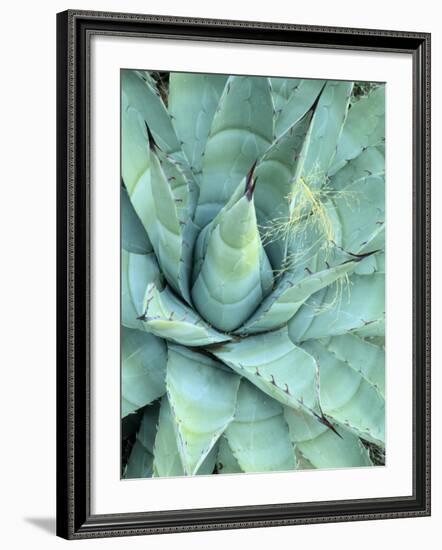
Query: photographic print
224	281
252	274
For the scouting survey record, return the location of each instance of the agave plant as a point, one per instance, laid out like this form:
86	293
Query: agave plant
252	274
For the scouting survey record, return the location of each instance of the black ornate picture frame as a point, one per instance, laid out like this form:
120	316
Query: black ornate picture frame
74	517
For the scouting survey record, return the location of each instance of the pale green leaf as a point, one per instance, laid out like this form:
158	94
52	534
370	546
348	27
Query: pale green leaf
202	396
140	461
375	263
167	461
359	200
364	127
321	446
347	396
141	105
361	355
133	235
259	437
339	309
226	462
302	95
193	99
235	274
276	366
242	129
288	297
137	272
143	369
275	181
166	316
172	237
282	88
325	129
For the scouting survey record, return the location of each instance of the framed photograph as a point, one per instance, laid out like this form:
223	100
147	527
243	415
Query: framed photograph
243	274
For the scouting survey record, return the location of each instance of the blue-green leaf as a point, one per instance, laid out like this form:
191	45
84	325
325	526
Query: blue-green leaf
282	88
141	104
277	367
363	356
275	181
359	200
172	237
208	466
226	462
302	95
352	306
137	272
288	297
364	127
166	316
259	437
235	273
193	99
325	129
133	235
202	396
167	461
242	129
375	263
347	396
140	462
321	446
143	369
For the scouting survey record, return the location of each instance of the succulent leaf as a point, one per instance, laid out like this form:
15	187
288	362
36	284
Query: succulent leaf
326	126
277	367
259	437
347	396
166	316
140	462
141	105
209	463
366	358
281	91
374	263
235	273
202	397
242	129
172	238
366	233
370	162
335	311
134	142
364	127
360	207
289	295
302	96
167	461
193	99
133	236
184	188
275	173
137	271
322	447
143	369
372	330
226	462
202	241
